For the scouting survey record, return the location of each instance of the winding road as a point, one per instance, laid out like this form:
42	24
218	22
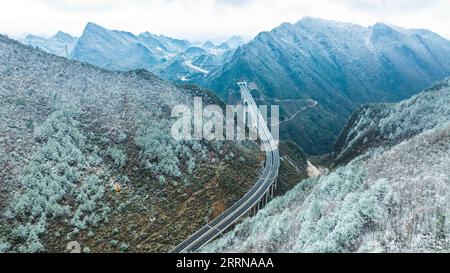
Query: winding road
310	106
196	68
253	200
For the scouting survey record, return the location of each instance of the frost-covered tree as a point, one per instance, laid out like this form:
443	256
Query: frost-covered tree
51	177
388	200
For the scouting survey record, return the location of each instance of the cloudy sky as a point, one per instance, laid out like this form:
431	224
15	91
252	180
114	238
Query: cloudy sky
201	19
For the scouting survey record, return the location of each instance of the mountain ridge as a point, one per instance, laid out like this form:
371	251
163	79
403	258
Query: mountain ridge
339	65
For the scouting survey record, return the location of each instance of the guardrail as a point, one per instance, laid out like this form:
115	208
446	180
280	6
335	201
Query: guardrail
252	201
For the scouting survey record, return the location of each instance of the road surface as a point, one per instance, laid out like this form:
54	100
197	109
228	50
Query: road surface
253	199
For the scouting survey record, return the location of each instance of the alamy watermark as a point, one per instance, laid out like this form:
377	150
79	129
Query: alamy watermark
240	122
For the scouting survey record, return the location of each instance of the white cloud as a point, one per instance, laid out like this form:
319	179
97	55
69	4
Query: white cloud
201	19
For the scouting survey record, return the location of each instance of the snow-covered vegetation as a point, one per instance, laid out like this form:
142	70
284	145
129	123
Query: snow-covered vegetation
339	65
59	171
393	198
386	201
162	155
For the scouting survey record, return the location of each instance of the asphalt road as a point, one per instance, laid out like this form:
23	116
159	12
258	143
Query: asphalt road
258	193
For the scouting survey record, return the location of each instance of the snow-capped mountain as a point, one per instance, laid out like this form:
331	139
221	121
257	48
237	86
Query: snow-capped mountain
338	65
62	44
394	197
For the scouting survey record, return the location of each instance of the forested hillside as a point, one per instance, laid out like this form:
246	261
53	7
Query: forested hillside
388	124
393	197
86	155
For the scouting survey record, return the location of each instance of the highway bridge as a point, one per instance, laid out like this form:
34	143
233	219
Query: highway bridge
252	201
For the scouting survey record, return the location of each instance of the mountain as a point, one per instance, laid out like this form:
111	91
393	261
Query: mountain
124	51
164	43
208	45
223	46
338	65
193	52
62	44
235	42
87	155
392	198
119	50
112	49
177	69
389	124
208	61
162	55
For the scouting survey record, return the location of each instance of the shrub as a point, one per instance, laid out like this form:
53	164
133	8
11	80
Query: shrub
86	250
113	243
20	102
162	155
124	247
162	180
122	137
4	246
118	156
